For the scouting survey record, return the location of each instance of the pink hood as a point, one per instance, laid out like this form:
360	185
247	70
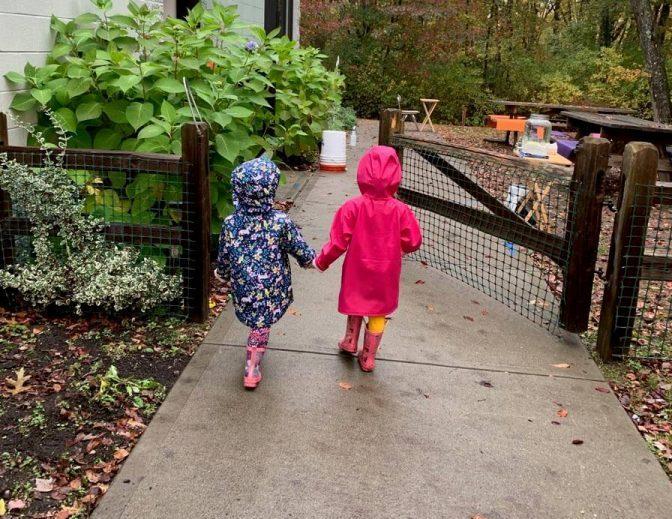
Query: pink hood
379	172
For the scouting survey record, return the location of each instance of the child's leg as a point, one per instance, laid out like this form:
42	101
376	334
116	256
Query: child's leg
349	342
257	341
376	324
372	337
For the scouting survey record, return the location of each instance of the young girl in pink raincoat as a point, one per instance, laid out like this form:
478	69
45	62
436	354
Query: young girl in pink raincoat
375	229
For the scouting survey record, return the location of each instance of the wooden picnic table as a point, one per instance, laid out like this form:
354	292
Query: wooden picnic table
513	108
620	129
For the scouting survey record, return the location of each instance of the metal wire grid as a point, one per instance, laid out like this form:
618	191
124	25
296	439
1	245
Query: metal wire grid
645	305
469	244
144	202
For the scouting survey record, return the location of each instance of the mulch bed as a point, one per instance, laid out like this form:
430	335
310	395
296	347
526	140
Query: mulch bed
75	396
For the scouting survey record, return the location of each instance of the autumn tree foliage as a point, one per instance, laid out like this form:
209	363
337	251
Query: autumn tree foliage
467	51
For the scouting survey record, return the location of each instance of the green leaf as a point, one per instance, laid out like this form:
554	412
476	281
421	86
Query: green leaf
168	112
258	99
149	131
139	114
172	193
125	83
226	147
15	78
42	96
143	202
77	87
80	177
60	50
170	85
88	111
78	72
129	145
222	119
86	19
224	207
107	139
238	112
81	139
23	102
117	179
67	118
116	111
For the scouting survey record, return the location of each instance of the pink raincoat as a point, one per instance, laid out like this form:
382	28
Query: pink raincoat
376	230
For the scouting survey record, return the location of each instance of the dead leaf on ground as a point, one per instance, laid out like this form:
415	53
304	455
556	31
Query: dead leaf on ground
468	318
3	508
430	309
555	422
44	485
562	413
345	385
478	516
485	383
576	441
18	385
37	330
419	282
603	389
120	454
562	365
16	504
294	312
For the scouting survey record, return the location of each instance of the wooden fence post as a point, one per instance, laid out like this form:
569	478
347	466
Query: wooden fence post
583	232
390	123
4	131
6	240
619	305
195	152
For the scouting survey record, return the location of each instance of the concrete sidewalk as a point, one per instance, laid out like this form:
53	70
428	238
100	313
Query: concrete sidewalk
455	421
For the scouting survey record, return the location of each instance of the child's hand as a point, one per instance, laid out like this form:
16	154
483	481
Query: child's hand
313	265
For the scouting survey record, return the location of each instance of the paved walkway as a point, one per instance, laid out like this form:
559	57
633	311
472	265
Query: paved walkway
457	419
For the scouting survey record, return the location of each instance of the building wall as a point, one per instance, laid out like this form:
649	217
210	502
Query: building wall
25	37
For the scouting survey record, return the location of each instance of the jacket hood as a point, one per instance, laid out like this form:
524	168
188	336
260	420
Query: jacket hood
254	184
379	172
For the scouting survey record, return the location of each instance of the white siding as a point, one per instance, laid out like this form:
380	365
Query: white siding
25	37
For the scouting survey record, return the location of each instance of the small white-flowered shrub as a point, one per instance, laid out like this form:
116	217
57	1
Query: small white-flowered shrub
73	264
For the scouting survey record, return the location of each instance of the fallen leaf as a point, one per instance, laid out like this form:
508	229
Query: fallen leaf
562	413
44	485
468	318
561	366
57	388
602	389
16	504
76	484
3	508
120	454
430	309
576	441
478	516
37	330
555	422
91	476
18	385
485	383
475	302
294	312
419	282
345	385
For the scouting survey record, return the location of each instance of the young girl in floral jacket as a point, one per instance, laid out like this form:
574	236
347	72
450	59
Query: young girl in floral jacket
253	254
375	229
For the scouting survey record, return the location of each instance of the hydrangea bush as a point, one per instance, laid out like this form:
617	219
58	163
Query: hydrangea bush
73	264
118	82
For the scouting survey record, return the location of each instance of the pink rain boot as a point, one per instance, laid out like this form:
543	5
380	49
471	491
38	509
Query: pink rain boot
256	347
349	342
367	357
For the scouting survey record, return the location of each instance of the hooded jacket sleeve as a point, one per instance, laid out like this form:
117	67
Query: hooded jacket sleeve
411	236
295	245
339	237
223	261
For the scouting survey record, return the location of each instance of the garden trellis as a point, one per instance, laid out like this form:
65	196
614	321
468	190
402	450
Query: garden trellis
157	203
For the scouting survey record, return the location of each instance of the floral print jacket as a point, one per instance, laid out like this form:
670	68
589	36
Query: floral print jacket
255	244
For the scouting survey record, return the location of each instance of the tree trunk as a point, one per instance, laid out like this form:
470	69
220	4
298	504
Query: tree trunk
660	90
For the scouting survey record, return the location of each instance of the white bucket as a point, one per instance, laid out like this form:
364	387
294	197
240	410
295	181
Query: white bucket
333	155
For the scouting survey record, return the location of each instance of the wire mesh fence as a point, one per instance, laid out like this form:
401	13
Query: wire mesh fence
142	201
501	226
644	306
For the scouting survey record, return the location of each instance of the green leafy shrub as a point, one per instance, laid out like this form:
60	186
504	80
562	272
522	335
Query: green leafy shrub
117	82
73	264
342	118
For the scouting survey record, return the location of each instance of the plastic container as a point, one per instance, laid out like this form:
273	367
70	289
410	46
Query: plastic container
353	137
333	154
536	137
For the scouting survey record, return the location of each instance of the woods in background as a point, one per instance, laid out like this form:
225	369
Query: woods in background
607	52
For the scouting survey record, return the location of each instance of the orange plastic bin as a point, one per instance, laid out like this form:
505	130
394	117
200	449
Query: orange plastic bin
508	124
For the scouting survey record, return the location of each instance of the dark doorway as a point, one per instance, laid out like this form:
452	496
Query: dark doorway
183	7
279	13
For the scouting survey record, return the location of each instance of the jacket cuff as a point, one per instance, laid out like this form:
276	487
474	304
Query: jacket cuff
317	264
